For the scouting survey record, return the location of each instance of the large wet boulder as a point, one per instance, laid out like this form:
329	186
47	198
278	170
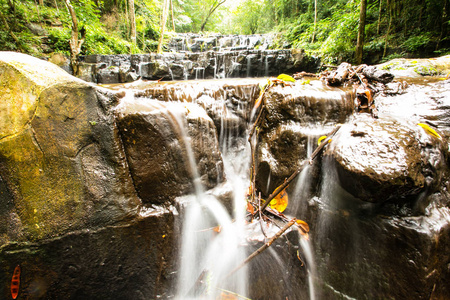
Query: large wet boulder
61	166
160	150
382	159
67	199
295	117
415	67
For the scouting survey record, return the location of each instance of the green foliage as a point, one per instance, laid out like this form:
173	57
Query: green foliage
59	37
416	42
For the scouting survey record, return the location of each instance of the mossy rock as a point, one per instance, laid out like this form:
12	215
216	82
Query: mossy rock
58	172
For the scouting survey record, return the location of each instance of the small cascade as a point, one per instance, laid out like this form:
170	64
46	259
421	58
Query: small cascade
266	66
249	65
199	73
311	266
207	256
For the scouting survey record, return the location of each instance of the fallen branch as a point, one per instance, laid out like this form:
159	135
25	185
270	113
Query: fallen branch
263	247
257	121
300	169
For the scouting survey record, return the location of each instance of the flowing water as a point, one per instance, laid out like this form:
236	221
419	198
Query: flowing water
215	237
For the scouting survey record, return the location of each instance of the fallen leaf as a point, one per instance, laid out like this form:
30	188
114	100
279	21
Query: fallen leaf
286	77
280	202
430	130
321	139
250	208
15	282
303	225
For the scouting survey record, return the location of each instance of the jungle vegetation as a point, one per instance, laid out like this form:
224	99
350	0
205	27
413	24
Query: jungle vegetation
329	28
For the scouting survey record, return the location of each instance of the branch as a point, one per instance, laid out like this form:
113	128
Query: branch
211	10
299	170
263	247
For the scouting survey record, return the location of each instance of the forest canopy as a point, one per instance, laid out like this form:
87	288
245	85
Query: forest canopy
327	28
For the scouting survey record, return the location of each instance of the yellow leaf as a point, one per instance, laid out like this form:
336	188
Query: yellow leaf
321	139
280	202
430	130
303	225
286	77
307	81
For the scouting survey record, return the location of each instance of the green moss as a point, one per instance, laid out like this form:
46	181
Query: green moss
426	70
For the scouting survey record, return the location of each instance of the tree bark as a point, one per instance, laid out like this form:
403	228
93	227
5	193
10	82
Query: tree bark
132	21
389	28
379	17
75	43
362	26
173	19
163	25
211	11
444	22
315	22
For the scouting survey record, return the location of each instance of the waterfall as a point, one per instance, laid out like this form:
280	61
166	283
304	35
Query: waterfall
249	64
266	66
209	256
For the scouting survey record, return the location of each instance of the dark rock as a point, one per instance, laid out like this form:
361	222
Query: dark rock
287	132
108	75
155	144
177	71
155	70
128	261
373	73
36	29
378	160
362	253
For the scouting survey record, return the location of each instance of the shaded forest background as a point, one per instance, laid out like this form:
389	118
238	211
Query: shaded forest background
326	28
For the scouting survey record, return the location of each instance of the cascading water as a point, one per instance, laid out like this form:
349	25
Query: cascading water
212	238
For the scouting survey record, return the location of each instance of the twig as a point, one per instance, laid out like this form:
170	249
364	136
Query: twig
263	247
260	217
299	170
258	118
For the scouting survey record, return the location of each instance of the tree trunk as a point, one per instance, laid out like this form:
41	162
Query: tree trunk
444	22
75	43
41	2
211	11
173	19
379	17
389	28
132	21
315	22
362	26
163	25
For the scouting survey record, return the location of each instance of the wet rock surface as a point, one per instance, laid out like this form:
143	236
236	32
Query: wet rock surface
62	169
82	218
295	118
129	261
155	140
382	159
107	69
418	67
